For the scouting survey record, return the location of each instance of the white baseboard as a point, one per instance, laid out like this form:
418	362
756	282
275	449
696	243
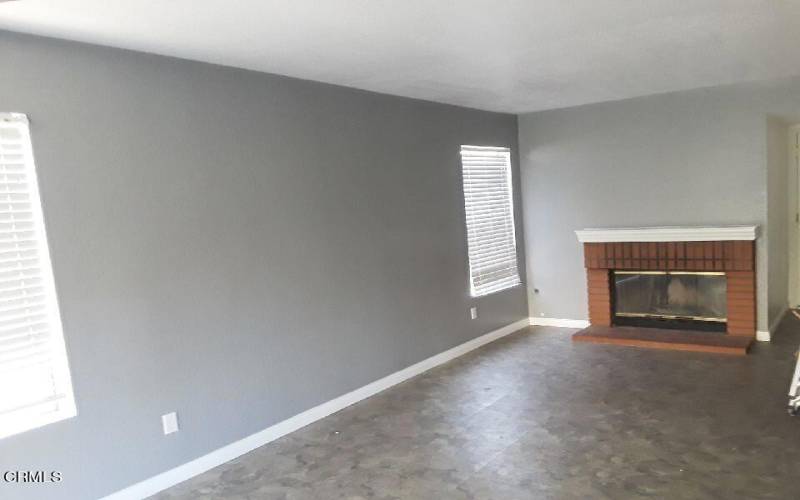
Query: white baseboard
227	453
562	323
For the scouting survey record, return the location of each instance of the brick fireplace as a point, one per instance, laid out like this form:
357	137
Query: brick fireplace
721	260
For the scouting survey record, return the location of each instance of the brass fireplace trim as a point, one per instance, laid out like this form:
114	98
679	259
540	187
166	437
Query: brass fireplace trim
692	273
671	316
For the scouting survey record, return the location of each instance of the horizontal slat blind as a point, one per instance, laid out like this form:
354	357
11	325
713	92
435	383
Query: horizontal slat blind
489	208
35	387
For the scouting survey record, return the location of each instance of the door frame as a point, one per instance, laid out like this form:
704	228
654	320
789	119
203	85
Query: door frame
794	215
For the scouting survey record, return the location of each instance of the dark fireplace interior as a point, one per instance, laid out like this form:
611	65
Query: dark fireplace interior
675	300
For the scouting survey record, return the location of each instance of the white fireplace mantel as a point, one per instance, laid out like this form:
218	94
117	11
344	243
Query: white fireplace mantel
676	233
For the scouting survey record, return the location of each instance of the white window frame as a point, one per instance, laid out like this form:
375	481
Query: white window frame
62	401
476	291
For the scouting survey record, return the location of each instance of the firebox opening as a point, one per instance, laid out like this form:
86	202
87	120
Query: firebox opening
670	299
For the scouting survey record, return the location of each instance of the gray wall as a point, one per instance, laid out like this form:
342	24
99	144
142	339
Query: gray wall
686	158
777	218
235	246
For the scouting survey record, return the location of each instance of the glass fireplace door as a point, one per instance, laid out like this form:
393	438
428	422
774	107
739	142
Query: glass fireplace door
671	299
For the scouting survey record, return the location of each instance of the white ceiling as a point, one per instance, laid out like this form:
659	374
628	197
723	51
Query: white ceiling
502	55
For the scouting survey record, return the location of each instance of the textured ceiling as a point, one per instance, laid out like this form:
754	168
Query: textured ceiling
502	55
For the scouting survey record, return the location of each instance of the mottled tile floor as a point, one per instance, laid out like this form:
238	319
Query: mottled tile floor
535	416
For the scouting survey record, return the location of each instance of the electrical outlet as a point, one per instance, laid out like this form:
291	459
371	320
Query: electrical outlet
170	423
473	312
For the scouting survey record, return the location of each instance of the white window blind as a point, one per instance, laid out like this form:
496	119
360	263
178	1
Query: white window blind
490	219
35	386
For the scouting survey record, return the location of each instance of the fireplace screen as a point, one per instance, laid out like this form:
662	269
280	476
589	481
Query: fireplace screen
671	299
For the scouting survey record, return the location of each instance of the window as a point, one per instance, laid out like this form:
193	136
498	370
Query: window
489	208
35	387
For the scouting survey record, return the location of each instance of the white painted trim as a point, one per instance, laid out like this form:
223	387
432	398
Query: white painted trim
722	233
763	336
15	117
561	323
227	453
